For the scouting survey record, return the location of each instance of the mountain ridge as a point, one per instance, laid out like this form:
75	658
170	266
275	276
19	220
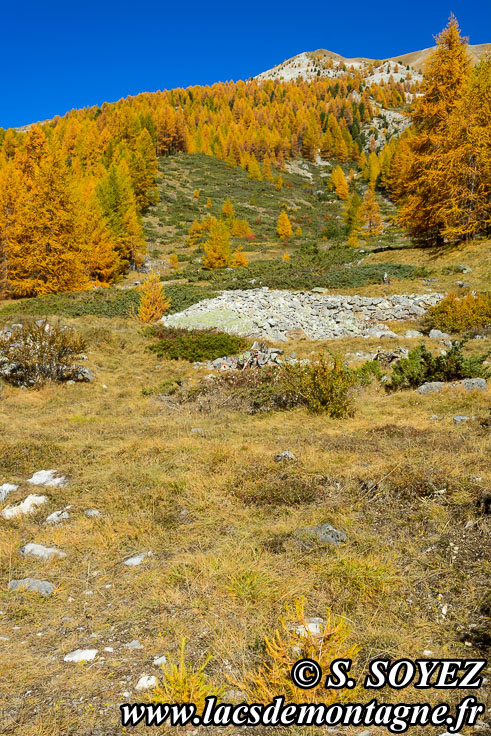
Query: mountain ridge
320	61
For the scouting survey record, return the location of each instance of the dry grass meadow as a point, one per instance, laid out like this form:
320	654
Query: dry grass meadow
406	485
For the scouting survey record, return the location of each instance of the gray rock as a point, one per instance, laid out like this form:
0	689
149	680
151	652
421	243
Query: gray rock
137	559
459	419
80	655
41	552
464	269
57	517
473	384
413	333
146	682
5	489
430	387
81	374
48	478
438	335
285	456
32	585
135	644
323	533
92	513
199	431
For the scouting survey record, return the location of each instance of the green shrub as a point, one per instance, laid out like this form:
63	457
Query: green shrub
421	366
195	345
330	269
456	314
103	303
321	386
368	372
100	303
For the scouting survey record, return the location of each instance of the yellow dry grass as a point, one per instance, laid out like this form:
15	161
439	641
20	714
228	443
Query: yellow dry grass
221	570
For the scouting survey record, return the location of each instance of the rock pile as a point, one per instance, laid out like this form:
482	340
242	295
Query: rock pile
274	314
257	357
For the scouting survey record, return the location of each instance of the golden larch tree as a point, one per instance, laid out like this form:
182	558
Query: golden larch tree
283	226
217	247
370	213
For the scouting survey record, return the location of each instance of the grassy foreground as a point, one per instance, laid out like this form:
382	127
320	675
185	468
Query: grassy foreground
403	485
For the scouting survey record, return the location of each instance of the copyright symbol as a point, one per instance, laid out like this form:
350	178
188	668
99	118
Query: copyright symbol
306	673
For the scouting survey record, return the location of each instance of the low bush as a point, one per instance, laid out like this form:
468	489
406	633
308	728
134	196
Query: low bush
103	302
183	683
35	352
421	366
293	639
459	313
330	270
194	345
323	386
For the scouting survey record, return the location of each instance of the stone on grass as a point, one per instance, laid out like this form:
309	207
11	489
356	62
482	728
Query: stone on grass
285	456
198	430
80	655
413	333
27	506
460	419
380	331
92	513
41	552
323	533
32	585
136	560
135	644
160	660
48	478
430	387
58	516
473	384
146	682
5	489
438	335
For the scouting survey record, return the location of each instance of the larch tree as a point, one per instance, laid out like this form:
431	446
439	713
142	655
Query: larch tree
424	199
118	205
339	183
228	210
283	226
351	213
49	258
12	203
466	204
217	247
370	213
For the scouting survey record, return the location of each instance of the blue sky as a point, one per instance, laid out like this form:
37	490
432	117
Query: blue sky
55	56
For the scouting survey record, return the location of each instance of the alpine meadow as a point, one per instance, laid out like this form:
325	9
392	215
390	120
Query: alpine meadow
245	340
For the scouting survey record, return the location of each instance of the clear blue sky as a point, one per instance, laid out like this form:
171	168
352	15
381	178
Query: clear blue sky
55	56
